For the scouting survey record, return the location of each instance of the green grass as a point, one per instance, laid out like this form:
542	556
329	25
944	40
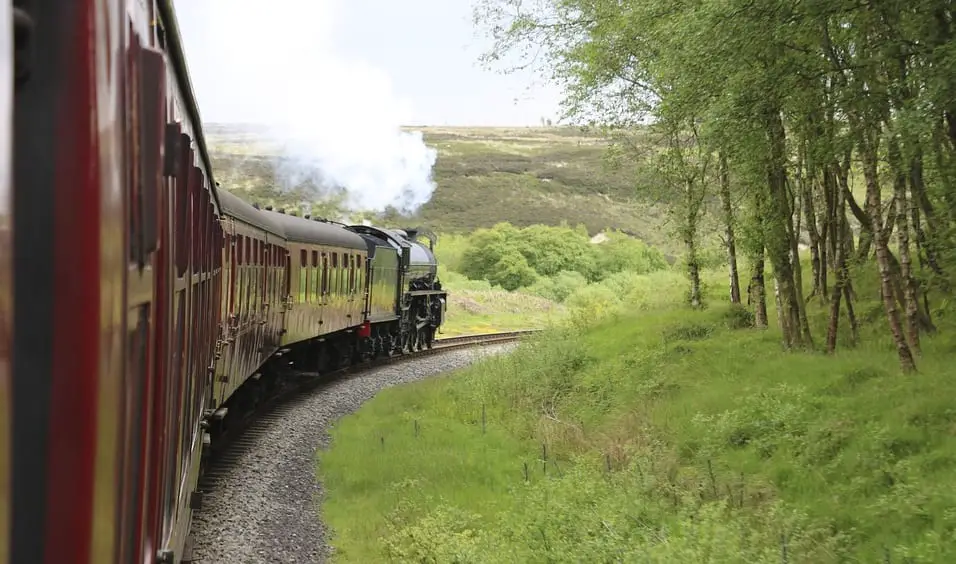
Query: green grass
476	307
671	436
489	311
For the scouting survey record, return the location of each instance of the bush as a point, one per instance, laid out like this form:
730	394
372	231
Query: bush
551	252
596	299
511	271
621	253
559	287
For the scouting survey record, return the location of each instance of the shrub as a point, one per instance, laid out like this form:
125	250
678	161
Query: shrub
551	251
560	286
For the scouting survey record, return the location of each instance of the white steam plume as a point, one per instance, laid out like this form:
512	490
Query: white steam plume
337	121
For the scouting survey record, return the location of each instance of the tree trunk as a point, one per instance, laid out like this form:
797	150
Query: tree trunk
851	316
834	321
757	290
690	244
838	234
729	230
868	153
846	241
866	230
928	326
805	336
817	253
926	244
910	292
779	236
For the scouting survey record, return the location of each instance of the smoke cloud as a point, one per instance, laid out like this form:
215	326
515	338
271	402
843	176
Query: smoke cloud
336	122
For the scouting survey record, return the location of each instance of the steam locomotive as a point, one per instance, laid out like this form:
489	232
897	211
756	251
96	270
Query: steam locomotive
140	303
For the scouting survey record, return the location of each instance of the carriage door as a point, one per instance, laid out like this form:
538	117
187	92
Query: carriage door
145	107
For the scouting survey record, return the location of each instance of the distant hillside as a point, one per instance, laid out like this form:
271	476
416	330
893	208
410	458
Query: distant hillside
484	176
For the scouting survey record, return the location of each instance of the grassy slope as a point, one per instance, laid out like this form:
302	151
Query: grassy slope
532	176
719	445
484	176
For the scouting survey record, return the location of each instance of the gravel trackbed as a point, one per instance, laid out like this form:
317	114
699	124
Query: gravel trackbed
264	507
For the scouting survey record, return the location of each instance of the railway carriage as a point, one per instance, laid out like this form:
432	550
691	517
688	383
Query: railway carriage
326	278
149	302
254	256
116	285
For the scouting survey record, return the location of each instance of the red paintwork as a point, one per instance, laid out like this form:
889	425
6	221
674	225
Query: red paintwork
76	336
123	437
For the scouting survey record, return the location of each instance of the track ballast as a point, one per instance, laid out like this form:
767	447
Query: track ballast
259	493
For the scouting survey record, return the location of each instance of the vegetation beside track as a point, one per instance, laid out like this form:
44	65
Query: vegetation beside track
664	436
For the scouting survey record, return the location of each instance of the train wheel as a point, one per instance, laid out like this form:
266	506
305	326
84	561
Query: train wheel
394	345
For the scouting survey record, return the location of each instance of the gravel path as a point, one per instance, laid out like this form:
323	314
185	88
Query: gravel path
263	509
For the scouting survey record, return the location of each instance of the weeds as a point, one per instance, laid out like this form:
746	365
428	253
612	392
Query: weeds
659	435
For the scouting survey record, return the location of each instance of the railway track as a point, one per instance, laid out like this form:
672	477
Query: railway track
229	448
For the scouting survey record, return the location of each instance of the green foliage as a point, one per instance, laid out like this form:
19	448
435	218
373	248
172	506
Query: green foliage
559	286
582	516
621	253
515	257
510	271
669	436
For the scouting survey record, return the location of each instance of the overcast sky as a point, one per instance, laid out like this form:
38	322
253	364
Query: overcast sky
414	60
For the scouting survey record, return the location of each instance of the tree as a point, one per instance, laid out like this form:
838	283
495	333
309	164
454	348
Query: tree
787	98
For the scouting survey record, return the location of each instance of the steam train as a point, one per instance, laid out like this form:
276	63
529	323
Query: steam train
140	303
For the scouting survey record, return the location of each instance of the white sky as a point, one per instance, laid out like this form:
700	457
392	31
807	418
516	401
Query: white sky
414	61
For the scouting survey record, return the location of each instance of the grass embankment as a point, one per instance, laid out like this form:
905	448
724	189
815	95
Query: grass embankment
664	436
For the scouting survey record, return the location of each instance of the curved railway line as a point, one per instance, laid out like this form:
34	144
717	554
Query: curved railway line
230	449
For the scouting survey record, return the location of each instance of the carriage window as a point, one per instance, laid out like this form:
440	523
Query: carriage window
248	249
240	244
344	275
358	274
334	282
232	274
303	276
183	180
314	276
351	274
196	218
325	274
